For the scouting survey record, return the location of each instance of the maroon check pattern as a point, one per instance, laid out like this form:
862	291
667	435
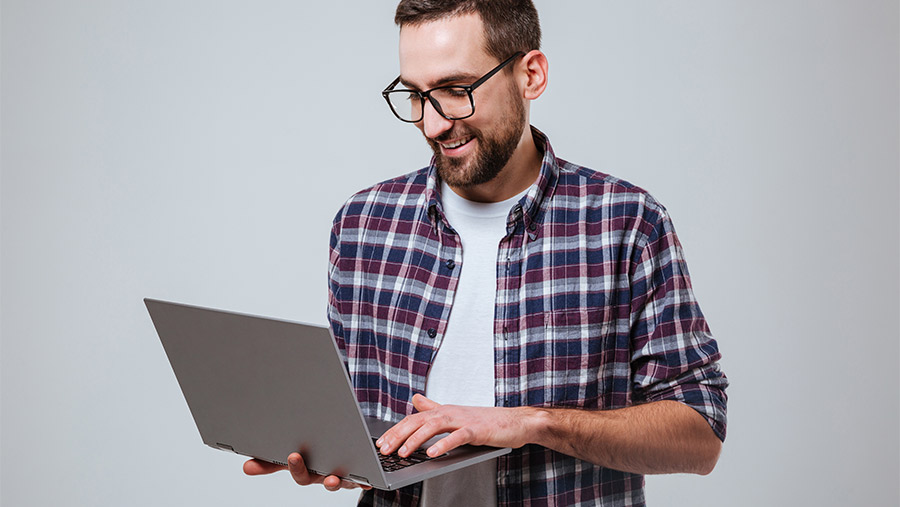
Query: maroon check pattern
594	310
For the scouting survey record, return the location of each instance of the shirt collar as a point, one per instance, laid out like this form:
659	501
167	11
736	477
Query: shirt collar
530	207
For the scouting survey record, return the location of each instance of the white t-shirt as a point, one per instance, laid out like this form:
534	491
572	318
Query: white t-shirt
463	369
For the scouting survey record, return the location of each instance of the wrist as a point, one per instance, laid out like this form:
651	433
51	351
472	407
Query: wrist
538	425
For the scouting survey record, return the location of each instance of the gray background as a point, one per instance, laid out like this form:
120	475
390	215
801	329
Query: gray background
197	151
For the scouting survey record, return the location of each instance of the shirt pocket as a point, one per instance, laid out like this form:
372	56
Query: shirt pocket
579	357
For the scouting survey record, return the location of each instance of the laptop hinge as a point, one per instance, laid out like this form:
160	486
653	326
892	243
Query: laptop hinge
225	447
359	480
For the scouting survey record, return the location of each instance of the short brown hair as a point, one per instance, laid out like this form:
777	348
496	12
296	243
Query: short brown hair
509	25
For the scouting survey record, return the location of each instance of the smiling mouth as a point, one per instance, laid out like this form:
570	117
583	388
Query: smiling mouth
456	144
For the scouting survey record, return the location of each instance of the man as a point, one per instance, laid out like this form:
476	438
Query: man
543	306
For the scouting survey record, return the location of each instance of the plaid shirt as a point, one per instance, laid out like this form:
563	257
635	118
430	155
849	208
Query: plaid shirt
594	310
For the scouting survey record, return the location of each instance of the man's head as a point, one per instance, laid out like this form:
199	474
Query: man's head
510	26
456	42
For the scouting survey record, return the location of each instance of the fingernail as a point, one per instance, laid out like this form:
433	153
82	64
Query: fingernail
402	450
432	452
293	461
379	441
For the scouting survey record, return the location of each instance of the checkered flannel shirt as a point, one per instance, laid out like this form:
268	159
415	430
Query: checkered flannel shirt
594	310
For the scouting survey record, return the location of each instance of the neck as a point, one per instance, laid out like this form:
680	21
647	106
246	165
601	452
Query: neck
518	174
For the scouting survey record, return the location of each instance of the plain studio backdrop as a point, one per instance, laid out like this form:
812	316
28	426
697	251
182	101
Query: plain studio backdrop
197	151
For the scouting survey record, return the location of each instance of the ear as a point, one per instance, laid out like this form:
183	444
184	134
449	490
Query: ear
534	79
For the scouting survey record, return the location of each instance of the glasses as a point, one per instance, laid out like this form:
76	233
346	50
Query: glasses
451	102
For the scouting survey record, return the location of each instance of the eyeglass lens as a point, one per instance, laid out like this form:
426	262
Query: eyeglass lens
452	101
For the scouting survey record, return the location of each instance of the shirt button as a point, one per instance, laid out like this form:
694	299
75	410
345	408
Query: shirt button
432	332
532	226
450	264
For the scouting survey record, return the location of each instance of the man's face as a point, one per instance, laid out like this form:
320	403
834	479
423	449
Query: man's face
451	51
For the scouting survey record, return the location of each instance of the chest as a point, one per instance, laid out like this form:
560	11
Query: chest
560	304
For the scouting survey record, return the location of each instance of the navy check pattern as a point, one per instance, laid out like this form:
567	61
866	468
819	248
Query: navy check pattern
594	310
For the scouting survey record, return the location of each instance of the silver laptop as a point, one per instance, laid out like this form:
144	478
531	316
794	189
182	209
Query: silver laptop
265	388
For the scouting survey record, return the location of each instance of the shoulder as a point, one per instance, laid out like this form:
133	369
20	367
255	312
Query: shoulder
395	197
390	191
613	197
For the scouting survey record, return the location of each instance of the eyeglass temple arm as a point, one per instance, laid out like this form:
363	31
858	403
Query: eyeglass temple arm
497	69
392	85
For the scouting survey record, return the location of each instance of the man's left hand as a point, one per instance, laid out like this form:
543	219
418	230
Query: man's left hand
494	426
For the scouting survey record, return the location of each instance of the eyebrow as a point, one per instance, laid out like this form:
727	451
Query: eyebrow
453	78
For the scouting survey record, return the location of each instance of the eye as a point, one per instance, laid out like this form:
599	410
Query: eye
453	93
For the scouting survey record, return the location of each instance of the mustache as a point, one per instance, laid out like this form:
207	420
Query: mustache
452	134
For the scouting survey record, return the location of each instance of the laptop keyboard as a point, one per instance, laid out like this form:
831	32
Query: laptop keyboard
393	462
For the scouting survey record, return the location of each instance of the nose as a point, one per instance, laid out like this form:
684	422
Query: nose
433	124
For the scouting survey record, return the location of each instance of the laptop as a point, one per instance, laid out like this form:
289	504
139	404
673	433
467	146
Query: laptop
265	388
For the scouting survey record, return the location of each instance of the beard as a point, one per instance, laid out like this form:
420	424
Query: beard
491	156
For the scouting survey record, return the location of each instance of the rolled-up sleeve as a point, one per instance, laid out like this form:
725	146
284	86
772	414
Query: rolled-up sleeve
675	357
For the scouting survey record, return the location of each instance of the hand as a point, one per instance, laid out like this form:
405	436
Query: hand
498	427
301	475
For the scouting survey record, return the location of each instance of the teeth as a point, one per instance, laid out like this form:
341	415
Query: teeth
456	144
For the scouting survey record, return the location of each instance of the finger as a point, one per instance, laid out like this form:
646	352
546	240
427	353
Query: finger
301	475
455	439
423	404
335	483
431	427
260	467
392	438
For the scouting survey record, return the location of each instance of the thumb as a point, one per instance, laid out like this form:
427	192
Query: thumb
423	404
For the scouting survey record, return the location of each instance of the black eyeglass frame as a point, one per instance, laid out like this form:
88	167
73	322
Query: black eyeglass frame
434	102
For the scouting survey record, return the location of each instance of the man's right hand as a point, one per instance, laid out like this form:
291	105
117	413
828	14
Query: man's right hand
301	475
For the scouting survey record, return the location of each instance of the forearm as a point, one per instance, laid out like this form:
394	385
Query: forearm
654	438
